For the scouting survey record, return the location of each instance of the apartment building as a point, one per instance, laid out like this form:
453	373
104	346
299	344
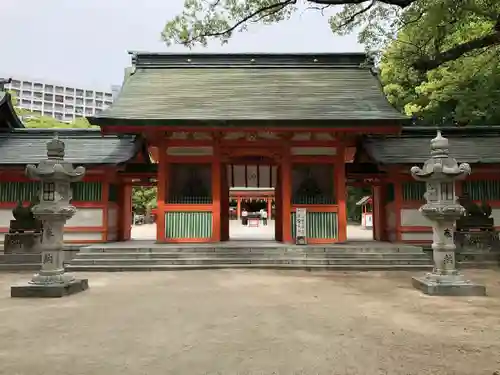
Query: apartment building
65	103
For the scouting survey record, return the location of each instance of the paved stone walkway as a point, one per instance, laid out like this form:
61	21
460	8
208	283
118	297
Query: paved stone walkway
233	322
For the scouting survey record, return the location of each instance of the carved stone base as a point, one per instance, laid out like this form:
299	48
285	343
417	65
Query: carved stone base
50	290
435	285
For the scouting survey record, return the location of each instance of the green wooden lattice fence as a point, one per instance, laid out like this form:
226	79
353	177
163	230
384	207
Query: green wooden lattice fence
25	191
487	190
87	191
188	224
413	191
15	191
319	224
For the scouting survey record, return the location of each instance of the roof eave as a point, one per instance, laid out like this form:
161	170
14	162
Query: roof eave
228	123
13	120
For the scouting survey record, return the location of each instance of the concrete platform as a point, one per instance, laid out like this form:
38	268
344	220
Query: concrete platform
49	291
457	289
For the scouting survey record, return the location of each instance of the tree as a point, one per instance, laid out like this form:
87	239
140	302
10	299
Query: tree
465	90
380	21
143	199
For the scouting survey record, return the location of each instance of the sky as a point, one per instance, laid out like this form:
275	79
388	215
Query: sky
85	42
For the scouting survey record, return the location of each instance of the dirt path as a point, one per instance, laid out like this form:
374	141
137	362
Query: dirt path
251	322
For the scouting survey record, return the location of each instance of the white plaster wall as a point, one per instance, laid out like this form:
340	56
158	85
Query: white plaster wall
496	216
82	236
87	217
413	218
416	236
5	217
112	218
68	236
84	217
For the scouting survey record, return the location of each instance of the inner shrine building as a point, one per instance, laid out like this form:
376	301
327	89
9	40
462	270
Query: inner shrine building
300	115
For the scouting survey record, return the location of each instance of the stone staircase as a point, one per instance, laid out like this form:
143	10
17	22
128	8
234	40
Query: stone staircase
30	261
20	262
477	259
370	256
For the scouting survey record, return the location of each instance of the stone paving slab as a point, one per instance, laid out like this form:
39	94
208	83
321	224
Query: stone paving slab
251	322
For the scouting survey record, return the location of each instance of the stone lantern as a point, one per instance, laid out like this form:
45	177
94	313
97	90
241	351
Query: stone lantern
53	210
442	208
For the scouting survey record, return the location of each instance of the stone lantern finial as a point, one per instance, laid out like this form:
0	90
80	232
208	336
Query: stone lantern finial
439	145
55	148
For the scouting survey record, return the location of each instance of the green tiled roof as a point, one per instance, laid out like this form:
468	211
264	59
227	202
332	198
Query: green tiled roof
83	146
249	87
468	145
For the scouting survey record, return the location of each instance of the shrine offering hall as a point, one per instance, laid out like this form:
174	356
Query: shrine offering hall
214	130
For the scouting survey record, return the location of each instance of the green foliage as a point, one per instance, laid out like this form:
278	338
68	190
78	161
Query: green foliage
463	90
202	19
143	199
435	23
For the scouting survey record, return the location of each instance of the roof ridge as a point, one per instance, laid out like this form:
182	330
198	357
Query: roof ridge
282	60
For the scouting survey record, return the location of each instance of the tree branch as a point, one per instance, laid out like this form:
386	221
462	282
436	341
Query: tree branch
359	12
426	63
263	12
399	3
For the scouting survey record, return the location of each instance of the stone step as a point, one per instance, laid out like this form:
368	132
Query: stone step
267	250
275	261
178	267
15	267
20	258
483	264
246	254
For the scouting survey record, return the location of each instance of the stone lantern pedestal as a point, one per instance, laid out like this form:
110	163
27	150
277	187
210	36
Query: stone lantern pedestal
53	210
442	208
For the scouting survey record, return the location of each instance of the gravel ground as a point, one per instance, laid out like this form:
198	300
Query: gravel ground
251	322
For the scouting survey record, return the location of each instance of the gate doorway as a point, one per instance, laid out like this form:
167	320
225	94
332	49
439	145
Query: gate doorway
251	190
144	210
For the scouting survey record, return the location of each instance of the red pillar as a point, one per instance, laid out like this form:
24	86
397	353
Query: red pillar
286	191
238	208
161	191
224	206
398	206
269	208
340	190
379	225
216	194
125	213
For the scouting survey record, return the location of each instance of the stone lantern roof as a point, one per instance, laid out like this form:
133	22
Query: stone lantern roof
440	165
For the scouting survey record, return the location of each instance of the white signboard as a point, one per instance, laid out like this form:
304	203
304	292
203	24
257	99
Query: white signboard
300	226
368	220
